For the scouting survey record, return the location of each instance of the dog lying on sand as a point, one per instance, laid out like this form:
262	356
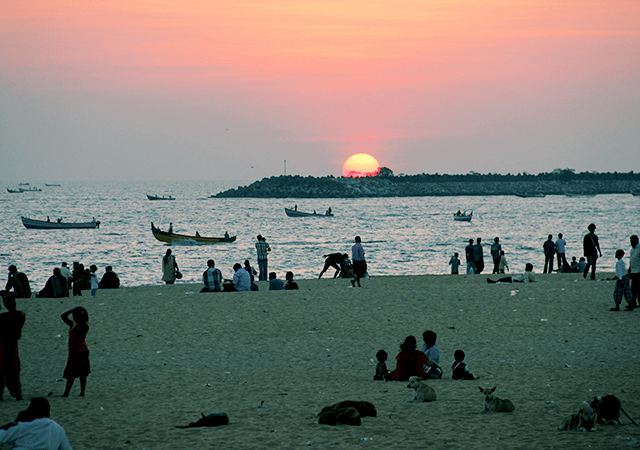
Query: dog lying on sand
346	413
495	404
608	410
584	420
210	420
422	391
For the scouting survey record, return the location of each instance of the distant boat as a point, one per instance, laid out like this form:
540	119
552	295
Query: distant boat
572	194
23	184
527	195
463	217
292	212
51	185
58	224
157	197
31	189
635	193
173	238
15	191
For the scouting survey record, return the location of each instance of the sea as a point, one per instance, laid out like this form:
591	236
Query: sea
400	235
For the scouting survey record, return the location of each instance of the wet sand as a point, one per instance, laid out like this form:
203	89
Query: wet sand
162	355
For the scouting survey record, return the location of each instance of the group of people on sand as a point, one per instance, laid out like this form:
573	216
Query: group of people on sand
32	428
355	269
423	363
63	281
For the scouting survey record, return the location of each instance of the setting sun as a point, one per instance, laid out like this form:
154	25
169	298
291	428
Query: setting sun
360	165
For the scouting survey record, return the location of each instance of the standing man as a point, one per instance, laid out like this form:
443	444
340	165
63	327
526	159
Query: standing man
359	263
495	254
634	271
591	248
66	273
478	256
471	269
11	324
263	249
560	248
549	248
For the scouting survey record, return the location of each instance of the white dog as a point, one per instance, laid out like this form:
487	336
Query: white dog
423	392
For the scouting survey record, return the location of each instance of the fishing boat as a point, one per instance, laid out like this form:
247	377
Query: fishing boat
527	195
463	217
157	197
23	184
52	184
635	193
573	194
31	189
58	224
293	212
14	191
174	238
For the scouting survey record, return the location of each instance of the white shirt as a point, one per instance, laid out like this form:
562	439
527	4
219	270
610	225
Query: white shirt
621	269
560	243
65	272
634	259
242	280
40	434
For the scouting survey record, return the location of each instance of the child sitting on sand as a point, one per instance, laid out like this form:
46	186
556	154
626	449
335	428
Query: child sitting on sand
382	373
460	369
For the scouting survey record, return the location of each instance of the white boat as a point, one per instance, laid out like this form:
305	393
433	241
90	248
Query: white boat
58	224
463	217
292	212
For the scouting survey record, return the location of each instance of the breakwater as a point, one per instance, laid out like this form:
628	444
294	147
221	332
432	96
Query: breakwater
332	187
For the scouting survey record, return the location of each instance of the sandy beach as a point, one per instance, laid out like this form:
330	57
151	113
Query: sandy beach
162	355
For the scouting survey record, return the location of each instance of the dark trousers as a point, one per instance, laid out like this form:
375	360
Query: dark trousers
635	288
562	262
12	382
496	264
591	262
548	262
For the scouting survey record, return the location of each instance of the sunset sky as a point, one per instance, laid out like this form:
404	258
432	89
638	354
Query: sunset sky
164	89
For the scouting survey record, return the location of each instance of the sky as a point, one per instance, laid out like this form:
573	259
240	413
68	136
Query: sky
226	90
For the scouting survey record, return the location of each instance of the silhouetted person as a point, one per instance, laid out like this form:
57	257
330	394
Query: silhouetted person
19	282
109	280
591	248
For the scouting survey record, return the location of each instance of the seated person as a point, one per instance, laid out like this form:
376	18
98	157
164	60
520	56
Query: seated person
382	373
290	284
241	279
526	277
410	361
34	429
55	287
574	265
460	369
582	264
109	280
274	283
212	278
19	282
432	352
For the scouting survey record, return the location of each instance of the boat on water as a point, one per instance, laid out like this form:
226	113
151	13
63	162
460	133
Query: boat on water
293	212
174	238
158	197
15	191
634	193
23	184
58	224
463	216
53	184
527	195
573	194
31	189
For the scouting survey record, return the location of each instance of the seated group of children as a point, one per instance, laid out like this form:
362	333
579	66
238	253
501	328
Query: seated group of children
459	368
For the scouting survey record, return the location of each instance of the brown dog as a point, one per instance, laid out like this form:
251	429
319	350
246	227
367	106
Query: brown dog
422	391
584	420
495	404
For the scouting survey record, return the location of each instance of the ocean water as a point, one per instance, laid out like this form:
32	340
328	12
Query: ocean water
401	236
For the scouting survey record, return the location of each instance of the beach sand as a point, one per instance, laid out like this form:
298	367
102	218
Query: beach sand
162	355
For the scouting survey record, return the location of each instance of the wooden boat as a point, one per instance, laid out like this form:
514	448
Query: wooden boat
292	212
15	191
174	238
31	189
23	184
635	193
50	185
157	197
572	194
463	217
58	224
527	195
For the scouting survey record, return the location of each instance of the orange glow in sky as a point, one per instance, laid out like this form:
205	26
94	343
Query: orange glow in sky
444	85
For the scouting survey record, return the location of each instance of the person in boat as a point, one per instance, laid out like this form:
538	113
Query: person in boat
212	278
226	234
48	220
59	219
109	280
332	260
19	282
169	268
274	283
170	227
197	234
295	207
328	212
458	213
290	284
